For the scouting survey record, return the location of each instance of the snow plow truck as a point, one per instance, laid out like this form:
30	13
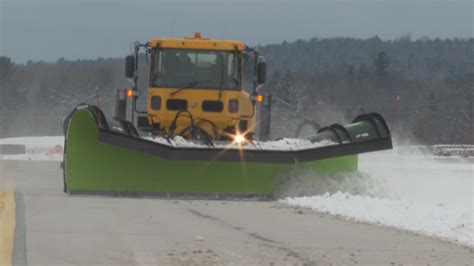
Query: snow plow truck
197	136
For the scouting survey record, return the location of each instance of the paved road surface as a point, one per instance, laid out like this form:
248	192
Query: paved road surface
55	229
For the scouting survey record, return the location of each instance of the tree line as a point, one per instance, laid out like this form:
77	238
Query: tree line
424	88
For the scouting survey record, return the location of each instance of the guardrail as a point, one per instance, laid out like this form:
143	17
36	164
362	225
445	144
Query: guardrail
453	150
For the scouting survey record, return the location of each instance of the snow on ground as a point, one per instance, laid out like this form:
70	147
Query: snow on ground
439	220
431	196
37	148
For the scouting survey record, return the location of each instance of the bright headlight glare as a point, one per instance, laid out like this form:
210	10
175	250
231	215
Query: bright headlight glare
239	138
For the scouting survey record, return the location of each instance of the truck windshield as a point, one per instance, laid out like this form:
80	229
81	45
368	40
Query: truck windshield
178	68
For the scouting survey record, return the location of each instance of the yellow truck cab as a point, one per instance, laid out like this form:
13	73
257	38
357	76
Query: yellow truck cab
196	87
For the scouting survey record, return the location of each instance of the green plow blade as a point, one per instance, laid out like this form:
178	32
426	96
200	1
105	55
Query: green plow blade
101	158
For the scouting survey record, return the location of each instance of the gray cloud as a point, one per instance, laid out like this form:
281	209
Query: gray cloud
48	30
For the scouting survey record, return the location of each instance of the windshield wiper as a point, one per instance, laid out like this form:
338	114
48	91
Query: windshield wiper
188	85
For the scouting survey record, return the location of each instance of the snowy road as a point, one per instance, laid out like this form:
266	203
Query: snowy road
413	192
53	228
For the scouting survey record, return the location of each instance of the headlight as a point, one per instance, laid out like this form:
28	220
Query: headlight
239	139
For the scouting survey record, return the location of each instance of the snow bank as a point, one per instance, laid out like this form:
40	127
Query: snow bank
411	192
33	143
37	148
438	220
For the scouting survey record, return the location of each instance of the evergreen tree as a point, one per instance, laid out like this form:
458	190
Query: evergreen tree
381	64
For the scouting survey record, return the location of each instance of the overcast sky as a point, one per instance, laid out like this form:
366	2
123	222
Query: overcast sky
50	29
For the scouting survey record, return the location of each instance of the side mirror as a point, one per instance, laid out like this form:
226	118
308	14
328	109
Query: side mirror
261	70
130	66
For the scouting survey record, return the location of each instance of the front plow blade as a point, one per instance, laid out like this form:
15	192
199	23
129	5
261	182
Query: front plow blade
107	157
